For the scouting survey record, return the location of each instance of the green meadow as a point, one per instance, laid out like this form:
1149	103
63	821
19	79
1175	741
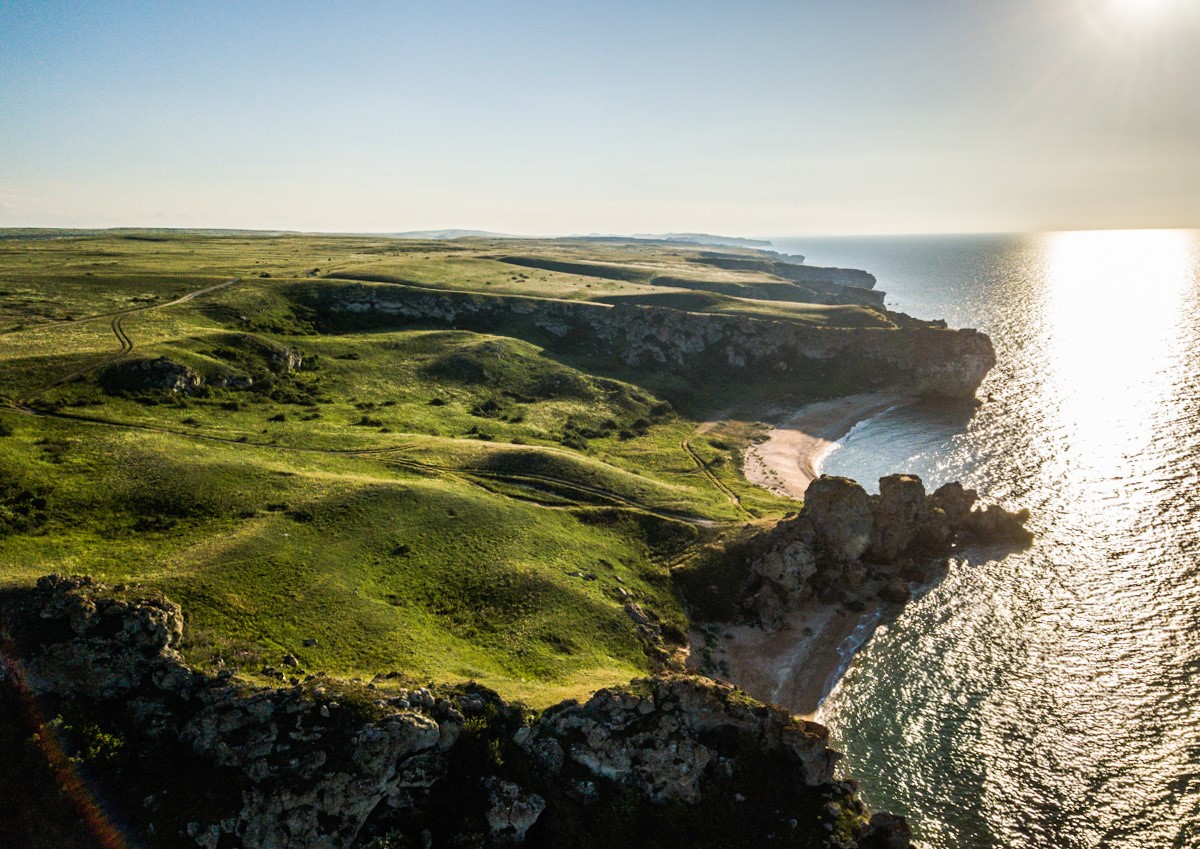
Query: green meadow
406	497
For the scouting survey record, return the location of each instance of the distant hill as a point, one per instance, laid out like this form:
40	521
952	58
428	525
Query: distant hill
453	234
690	238
706	239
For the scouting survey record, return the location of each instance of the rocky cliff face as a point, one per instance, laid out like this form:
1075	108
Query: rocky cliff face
848	546
919	358
213	761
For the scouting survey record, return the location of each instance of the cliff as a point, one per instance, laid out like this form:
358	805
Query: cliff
183	758
916	357
846	547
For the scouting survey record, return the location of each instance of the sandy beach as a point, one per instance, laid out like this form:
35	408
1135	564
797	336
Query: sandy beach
791	457
796	665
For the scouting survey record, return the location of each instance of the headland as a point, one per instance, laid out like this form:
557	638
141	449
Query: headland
394	541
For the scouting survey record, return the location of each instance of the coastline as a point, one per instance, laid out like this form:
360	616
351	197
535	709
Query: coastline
791	457
798	664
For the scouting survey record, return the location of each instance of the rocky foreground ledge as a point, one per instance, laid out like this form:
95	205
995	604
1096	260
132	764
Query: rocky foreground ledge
183	759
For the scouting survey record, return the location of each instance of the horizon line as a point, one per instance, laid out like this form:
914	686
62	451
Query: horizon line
476	233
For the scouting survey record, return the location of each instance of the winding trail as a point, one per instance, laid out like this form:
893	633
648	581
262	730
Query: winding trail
686	445
590	494
116	324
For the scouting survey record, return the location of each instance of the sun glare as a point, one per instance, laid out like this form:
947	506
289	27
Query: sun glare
1140	8
1114	303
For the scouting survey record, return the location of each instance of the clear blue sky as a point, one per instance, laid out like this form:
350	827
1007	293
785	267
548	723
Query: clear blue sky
843	116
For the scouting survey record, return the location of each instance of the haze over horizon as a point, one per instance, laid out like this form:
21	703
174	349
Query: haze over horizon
770	118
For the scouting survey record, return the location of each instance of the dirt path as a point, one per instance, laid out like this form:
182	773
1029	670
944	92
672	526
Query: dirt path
116	324
686	445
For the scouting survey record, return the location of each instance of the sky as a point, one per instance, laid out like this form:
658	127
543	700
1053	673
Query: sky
748	118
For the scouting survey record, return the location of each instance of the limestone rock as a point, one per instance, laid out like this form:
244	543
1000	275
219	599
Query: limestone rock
332	765
923	358
899	513
885	831
790	564
845	546
310	772
110	645
286	360
161	375
841	517
955	501
994	524
658	736
895	591
511	811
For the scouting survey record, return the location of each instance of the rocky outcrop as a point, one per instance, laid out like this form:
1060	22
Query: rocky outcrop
846	545
511	810
309	767
158	375
286	360
652	737
213	761
919	358
840	517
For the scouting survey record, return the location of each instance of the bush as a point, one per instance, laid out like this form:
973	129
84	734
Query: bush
21	508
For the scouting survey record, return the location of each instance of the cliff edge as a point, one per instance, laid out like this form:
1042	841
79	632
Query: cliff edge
186	759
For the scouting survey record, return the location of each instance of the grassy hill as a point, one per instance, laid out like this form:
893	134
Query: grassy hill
447	503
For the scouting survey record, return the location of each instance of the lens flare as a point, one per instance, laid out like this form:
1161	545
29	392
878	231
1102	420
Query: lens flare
73	785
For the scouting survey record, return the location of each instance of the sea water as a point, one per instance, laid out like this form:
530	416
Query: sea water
1050	697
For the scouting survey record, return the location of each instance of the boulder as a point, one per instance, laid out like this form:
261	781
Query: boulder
840	512
286	360
789	565
895	591
955	502
994	524
885	831
511	811
899	513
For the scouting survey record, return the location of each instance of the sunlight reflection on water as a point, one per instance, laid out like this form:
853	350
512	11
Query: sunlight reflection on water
1049	697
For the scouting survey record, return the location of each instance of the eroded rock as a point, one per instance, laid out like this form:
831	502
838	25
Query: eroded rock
512	811
841	517
158	375
333	765
922	358
899	513
846	546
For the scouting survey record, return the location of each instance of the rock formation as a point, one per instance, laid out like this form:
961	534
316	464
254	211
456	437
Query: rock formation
213	761
161	374
846	545
921	358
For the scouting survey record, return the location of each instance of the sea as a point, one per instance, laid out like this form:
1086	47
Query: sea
1047	697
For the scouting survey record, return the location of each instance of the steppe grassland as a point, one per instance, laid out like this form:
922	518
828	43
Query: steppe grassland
387	506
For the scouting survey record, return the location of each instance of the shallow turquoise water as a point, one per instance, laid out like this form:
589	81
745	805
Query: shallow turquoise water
1049	698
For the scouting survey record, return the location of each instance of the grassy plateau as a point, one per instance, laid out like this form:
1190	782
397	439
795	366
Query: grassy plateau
408	495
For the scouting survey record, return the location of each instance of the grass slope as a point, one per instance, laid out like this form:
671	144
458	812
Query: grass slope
443	503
